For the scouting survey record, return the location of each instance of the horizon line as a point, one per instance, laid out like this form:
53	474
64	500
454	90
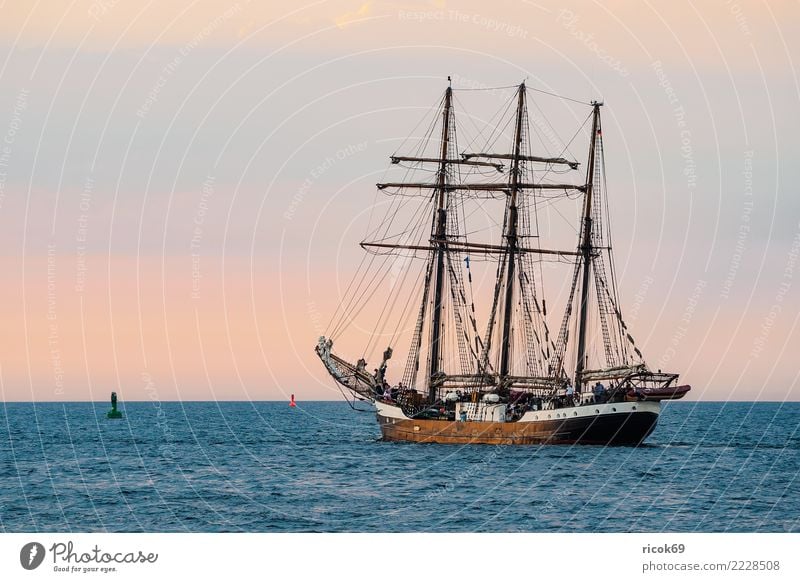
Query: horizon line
332	400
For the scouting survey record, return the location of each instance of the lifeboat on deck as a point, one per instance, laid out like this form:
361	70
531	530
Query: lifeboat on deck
656	394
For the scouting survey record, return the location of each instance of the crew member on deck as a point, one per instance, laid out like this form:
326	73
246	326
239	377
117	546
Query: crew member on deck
599	392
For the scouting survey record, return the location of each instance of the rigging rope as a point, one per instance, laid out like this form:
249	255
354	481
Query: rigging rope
558	96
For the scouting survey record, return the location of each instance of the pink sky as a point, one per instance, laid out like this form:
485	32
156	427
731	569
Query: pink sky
166	231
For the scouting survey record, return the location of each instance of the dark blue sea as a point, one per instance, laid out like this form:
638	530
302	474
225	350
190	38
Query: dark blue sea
263	467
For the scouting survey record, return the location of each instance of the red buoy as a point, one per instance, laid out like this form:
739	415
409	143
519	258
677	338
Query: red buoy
291	402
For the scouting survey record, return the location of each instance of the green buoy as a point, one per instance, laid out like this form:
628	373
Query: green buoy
114	413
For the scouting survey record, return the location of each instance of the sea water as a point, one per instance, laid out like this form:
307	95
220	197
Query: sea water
321	467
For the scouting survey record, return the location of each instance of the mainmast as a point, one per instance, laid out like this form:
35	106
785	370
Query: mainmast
439	244
585	248
511	237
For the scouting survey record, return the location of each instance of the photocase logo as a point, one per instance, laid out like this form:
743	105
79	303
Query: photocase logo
31	555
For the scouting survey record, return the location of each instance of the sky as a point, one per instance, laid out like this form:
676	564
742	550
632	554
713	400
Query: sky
183	185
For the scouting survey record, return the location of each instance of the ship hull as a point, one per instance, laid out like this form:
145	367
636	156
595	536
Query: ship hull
604	424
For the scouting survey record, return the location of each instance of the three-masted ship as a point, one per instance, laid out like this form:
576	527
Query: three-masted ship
512	382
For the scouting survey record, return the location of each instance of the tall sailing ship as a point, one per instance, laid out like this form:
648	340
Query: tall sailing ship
512	381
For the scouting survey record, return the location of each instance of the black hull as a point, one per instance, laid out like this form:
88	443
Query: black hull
613	429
